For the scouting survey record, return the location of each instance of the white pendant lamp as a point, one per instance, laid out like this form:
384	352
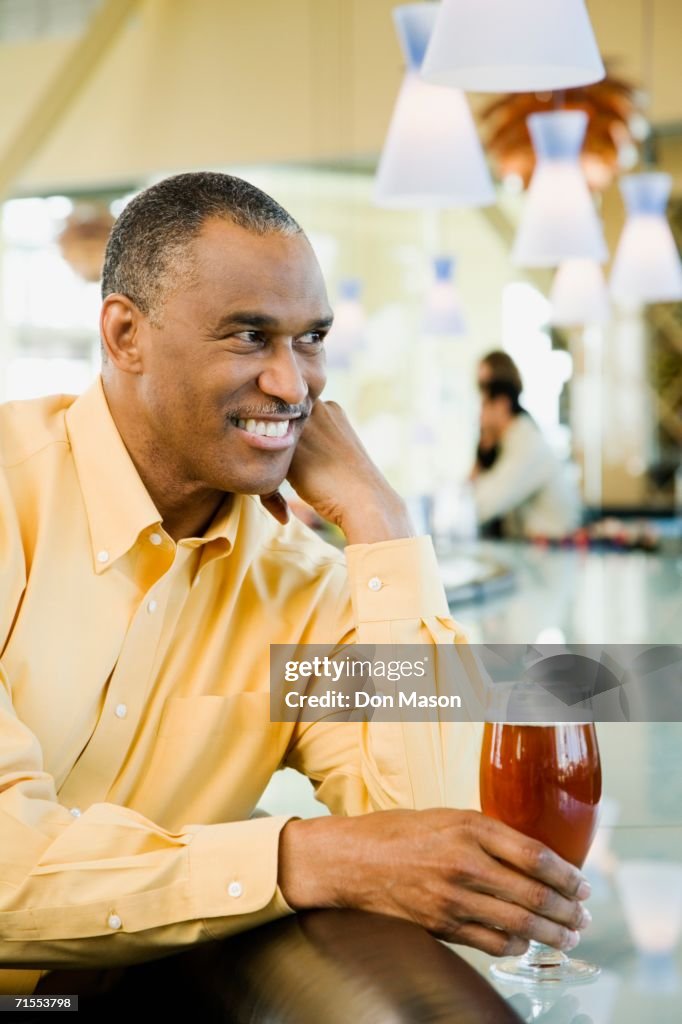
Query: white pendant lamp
513	46
348	332
579	297
646	267
443	308
559	221
432	156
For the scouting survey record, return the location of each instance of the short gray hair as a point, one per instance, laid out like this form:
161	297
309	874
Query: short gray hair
148	243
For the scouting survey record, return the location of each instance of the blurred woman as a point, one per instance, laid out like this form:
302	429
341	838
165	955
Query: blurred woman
520	487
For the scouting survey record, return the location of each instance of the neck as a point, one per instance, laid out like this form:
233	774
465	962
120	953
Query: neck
186	507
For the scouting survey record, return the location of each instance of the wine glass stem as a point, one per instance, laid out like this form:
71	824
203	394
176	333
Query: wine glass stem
539	956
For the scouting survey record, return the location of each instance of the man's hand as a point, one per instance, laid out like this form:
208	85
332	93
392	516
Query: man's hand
332	471
464	877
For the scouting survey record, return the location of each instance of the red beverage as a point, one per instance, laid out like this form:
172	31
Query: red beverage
544	781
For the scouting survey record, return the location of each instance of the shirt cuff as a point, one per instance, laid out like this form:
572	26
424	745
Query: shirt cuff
233	871
395	579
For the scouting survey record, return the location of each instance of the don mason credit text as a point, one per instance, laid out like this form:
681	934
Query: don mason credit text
359	671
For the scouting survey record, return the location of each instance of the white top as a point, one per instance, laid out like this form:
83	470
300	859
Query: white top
528	486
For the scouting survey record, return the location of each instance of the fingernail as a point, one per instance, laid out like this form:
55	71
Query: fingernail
586	918
584	890
572	940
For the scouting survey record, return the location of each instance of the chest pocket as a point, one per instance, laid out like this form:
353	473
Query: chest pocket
211	760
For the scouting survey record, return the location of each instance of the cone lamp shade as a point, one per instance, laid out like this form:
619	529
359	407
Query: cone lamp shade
347	334
559	221
432	156
646	267
513	46
579	296
443	309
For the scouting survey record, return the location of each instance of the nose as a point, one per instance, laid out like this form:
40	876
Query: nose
281	377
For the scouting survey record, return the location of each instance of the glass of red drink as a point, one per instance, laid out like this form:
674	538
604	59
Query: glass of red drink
545	781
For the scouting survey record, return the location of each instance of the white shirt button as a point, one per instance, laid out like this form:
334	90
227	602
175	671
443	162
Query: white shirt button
152	606
121	710
375	583
76	811
155	539
235	889
114	921
102	556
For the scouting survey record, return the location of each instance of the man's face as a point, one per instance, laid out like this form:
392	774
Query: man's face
232	372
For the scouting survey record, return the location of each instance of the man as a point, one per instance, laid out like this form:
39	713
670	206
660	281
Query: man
145	567
520	488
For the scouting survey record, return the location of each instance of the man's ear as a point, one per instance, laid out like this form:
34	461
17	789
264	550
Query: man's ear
120	322
276	506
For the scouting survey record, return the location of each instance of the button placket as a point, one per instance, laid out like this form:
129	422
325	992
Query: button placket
97	769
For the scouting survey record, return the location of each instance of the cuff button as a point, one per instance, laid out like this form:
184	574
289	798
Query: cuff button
235	889
114	921
375	583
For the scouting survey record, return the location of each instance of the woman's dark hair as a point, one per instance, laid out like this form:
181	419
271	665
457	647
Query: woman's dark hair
503	389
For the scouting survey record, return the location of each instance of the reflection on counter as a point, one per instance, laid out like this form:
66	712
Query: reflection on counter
506	592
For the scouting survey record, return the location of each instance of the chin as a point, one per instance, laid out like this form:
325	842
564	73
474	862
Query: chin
257	487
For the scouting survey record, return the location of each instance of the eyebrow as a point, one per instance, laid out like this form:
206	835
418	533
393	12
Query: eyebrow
262	320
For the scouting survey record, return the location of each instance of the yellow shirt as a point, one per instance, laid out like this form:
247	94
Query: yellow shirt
135	738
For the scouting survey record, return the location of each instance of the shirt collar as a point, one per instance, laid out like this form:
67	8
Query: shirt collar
117	503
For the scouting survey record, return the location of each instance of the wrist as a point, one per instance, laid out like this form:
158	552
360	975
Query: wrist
370	522
308	864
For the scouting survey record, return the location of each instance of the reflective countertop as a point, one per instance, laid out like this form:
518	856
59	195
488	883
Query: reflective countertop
557	595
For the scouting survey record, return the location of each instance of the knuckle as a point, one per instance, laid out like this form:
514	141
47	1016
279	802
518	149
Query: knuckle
467	820
535	855
525	925
539	896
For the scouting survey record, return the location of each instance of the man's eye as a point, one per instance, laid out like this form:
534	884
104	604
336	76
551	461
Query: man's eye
312	338
251	336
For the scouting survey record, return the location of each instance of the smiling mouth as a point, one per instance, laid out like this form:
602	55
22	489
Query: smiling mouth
266	428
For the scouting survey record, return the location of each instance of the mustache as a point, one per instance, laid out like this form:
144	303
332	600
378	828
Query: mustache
276	408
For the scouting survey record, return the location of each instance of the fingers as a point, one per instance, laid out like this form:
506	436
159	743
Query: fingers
529	894
531	858
490	940
517	921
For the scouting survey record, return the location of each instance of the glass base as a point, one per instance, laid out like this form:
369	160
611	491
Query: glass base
544	965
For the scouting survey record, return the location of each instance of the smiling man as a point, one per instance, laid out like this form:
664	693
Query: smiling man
146	564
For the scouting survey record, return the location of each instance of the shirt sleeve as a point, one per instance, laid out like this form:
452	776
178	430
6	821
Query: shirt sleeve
109	887
521	469
395	596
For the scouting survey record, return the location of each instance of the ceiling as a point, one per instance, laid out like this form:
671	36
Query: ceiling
225	82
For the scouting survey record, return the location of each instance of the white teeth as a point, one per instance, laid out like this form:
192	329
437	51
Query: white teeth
265	428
